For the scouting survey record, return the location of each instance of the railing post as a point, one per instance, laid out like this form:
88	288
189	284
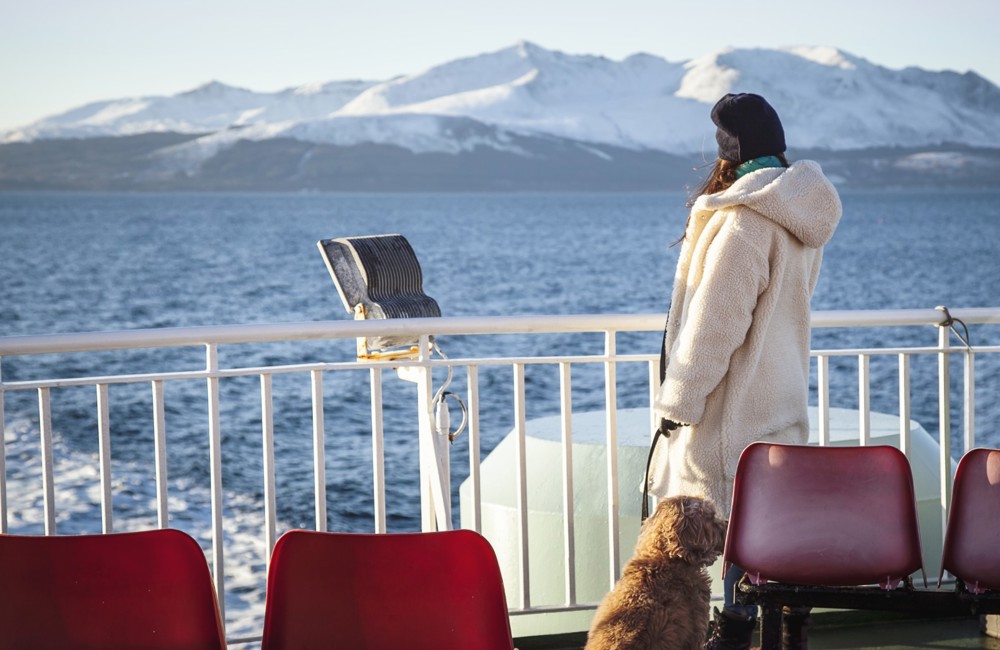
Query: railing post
611	428
435	481
160	443
475	474
104	456
521	487
3	461
969	402
823	398
48	479
864	401
215	468
267	441
905	444
378	450
319	450
654	390
944	421
569	532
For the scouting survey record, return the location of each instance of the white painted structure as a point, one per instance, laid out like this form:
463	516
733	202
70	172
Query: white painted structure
550	585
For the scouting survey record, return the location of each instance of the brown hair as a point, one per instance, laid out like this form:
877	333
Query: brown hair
722	176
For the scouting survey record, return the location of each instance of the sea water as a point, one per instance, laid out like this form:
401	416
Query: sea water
96	262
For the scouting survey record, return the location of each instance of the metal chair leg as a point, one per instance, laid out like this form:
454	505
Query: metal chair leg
770	627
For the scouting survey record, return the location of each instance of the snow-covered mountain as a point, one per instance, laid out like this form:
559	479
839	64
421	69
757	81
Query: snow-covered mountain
208	108
827	99
522	118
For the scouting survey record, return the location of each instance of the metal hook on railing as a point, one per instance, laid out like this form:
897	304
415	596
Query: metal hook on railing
949	322
442	418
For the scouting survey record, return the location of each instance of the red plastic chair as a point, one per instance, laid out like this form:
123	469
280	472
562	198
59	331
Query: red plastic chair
384	592
149	590
972	540
831	516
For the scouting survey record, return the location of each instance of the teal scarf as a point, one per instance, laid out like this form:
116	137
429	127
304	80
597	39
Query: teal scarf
757	163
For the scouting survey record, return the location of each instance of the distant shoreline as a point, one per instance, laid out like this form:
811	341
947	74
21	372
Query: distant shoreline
136	163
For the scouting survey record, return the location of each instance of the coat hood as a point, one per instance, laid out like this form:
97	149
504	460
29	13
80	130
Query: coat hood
800	199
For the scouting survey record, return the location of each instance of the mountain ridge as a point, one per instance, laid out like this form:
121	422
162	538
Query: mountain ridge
828	98
525	102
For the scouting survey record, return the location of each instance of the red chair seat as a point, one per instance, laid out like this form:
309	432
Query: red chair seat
972	540
385	592
831	516
150	590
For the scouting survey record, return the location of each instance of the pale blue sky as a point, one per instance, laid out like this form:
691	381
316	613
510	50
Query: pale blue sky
59	54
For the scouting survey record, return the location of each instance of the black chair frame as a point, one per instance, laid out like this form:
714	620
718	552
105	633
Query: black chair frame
771	597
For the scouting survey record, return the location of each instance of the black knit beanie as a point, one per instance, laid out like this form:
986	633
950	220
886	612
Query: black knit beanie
748	128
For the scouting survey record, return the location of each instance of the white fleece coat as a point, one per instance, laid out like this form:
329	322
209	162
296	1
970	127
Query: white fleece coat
737	337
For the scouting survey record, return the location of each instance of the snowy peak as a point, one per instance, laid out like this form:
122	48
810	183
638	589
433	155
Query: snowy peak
834	100
827	98
828	56
527	89
209	108
213	90
966	88
458	77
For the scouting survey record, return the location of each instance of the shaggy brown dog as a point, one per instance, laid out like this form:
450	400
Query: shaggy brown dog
661	601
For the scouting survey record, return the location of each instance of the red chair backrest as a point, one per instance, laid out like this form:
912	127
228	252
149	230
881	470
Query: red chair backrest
385	592
149	590
832	516
972	540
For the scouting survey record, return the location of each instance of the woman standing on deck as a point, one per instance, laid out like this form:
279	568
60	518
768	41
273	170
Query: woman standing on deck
736	345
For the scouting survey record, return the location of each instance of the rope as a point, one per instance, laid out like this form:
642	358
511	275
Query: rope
949	322
442	394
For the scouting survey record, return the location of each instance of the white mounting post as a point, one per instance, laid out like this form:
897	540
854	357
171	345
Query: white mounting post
944	420
435	477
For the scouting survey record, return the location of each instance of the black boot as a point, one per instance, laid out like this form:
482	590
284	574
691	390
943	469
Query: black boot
794	627
730	631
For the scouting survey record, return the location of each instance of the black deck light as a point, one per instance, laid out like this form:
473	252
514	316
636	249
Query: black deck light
379	277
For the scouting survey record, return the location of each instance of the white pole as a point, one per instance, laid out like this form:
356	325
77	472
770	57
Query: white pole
215	465
435	493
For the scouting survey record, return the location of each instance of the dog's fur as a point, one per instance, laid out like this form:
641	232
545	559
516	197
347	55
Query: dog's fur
661	601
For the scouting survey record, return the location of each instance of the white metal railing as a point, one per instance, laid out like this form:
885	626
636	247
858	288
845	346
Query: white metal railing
434	482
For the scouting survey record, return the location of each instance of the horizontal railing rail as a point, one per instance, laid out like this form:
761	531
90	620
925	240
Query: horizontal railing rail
269	332
437	464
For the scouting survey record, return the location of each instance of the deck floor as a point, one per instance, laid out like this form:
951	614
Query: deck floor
849	630
903	632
